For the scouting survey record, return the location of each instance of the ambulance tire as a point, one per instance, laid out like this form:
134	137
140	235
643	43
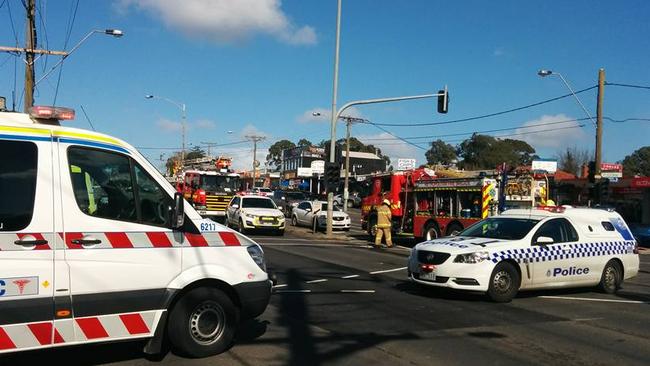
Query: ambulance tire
202	323
504	283
610	280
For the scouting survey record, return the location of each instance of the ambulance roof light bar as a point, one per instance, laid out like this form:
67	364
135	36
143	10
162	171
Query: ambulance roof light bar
51	112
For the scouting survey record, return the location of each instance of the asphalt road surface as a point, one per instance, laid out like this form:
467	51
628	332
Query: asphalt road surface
342	303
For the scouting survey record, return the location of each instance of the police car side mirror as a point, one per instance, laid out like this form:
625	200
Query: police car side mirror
235	206
178	212
544	240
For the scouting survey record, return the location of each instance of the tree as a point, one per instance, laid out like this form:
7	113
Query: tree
195	153
274	158
440	153
637	163
572	159
172	162
304	142
486	152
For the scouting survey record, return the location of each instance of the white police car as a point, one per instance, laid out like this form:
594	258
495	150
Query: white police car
546	247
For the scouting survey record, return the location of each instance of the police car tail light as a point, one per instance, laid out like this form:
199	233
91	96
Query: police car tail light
257	255
51	112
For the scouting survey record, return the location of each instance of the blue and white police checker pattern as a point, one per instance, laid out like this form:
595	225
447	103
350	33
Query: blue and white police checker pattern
559	251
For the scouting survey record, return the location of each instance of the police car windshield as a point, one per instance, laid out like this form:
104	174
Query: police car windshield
506	228
254	202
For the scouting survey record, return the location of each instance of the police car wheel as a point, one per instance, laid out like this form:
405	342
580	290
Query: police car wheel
610	281
203	323
504	283
241	227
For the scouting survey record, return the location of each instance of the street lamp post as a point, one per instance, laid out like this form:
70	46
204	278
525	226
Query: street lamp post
181	106
598	123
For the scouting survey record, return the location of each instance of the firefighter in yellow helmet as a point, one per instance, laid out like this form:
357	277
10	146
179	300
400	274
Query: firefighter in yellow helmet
383	224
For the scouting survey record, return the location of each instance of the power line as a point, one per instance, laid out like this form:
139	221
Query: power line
11	21
627	120
71	20
485	115
628	85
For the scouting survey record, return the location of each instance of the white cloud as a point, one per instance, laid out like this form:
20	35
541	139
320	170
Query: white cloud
168	126
250	130
551	131
225	21
325	115
394	148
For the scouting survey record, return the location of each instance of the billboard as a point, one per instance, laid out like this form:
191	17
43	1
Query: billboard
405	164
547	165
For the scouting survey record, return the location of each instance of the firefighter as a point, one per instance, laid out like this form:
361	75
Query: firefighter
383	224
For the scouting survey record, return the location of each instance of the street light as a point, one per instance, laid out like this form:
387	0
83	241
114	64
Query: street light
181	106
597	124
117	33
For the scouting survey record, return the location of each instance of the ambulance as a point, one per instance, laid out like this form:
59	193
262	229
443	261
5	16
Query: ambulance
526	249
96	246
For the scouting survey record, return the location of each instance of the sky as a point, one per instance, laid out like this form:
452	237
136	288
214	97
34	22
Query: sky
262	67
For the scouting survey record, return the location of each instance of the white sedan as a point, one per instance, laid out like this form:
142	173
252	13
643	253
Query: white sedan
254	212
314	213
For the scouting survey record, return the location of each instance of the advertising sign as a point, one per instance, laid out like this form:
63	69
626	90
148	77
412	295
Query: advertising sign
610	167
642	182
305	172
318	166
405	164
547	165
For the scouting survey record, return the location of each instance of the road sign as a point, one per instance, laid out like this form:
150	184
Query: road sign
405	164
611	174
318	166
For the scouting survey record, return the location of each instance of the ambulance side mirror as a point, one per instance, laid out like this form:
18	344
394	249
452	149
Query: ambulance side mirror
178	211
544	240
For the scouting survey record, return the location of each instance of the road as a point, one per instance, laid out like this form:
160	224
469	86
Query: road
342	303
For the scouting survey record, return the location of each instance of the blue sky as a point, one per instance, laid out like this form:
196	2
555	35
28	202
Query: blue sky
263	66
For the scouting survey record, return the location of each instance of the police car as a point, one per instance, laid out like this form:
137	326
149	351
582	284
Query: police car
523	249
96	246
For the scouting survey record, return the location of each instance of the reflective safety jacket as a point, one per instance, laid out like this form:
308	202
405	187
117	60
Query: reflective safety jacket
383	216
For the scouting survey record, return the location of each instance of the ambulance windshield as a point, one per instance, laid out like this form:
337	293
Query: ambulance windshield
505	228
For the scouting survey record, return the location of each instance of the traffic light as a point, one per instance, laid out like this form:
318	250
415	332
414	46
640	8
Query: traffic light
592	172
603	190
443	100
332	176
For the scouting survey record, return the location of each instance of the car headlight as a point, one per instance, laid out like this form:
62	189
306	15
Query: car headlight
476	257
256	253
250	216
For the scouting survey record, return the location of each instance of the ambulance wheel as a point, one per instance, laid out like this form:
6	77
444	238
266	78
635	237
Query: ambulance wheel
504	283
610	281
203	323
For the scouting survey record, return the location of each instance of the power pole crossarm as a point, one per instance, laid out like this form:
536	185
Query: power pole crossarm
40	52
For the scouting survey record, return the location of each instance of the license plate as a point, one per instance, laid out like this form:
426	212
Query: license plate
429	276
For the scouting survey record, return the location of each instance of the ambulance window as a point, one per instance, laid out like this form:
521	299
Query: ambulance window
102	184
154	201
17	184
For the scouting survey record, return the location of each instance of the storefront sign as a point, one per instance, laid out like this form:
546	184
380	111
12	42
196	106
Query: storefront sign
641	182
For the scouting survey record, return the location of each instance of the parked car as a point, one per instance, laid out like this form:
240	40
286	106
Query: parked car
354	200
262	191
254	213
642	234
288	200
310	213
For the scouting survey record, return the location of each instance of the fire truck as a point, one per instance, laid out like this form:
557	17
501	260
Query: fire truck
209	184
427	205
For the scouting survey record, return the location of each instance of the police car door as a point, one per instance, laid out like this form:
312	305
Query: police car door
555	264
121	251
27	242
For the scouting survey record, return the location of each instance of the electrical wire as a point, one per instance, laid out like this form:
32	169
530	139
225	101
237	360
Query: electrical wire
628	85
71	20
485	115
43	31
627	120
11	21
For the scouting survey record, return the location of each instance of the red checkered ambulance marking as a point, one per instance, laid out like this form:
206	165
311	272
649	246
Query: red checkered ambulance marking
99	328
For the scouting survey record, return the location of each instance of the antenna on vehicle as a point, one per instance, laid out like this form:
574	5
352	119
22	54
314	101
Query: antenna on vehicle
87	118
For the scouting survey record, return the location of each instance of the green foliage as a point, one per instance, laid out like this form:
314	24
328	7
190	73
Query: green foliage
304	142
195	153
440	153
274	157
637	163
486	152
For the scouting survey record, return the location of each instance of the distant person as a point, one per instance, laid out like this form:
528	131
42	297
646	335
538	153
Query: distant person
384	224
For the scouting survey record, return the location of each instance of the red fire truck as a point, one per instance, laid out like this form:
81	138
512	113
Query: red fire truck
427	206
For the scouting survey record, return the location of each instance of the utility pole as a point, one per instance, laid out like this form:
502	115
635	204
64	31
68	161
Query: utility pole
346	193
210	145
255	139
599	120
30	39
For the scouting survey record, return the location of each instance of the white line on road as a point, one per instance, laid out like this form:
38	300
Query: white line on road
598	300
350	276
358	291
293	291
278	286
389	270
317	281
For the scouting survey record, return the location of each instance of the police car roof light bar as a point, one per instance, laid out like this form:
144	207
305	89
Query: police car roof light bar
51	112
554	209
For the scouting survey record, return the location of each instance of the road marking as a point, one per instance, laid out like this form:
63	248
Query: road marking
293	291
598	300
389	270
317	281
587	319
278	286
350	276
358	291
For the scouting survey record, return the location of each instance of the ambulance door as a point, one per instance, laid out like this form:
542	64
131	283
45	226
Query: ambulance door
27	243
557	263
120	248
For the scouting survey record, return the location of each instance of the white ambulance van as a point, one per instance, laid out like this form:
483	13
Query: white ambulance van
545	247
96	246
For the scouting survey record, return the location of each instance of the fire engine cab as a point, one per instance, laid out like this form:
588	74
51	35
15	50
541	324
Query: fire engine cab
96	246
